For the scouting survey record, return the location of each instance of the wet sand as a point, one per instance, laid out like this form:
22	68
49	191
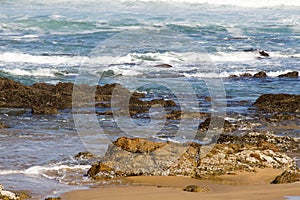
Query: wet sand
241	186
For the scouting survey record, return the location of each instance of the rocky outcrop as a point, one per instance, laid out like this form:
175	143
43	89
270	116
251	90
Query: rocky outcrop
293	74
278	103
44	98
288	176
137	156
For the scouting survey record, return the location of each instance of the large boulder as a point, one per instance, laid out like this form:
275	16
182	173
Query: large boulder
278	103
137	156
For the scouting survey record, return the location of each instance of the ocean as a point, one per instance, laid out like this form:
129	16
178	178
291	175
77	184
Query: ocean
101	41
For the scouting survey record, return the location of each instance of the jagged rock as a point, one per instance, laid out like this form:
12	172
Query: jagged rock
261	74
288	176
263	53
293	74
135	157
216	123
233	76
195	188
278	103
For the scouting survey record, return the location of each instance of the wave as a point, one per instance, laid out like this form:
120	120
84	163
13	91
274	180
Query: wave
241	3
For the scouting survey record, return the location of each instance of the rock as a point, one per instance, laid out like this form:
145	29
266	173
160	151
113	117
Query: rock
7	195
137	145
164	66
246	75
278	103
288	176
195	188
136	157
2	125
216	123
84	156
261	74
53	198
263	141
227	158
44	110
293	74
264	54
233	76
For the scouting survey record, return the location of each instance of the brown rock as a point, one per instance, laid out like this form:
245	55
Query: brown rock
2	125
137	145
293	74
44	110
195	188
288	176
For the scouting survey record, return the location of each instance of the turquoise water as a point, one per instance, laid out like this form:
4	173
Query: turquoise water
52	41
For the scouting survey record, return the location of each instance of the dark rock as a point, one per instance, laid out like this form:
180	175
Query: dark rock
195	188
278	103
288	176
261	74
233	76
164	66
264	54
293	74
216	123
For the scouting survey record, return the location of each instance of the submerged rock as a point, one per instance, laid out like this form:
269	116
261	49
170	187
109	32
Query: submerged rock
84	156
278	103
288	176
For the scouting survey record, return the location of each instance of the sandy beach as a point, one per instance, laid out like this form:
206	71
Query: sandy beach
242	186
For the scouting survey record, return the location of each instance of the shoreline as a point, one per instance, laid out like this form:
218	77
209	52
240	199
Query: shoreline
242	186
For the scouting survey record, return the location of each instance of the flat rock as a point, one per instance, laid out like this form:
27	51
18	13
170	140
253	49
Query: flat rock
195	188
293	74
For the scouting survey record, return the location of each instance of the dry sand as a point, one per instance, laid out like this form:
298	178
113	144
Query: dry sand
242	186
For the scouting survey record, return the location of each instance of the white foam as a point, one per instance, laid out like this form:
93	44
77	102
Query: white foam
40	170
240	3
38	72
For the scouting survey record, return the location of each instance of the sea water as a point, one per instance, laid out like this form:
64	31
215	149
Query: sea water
51	41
